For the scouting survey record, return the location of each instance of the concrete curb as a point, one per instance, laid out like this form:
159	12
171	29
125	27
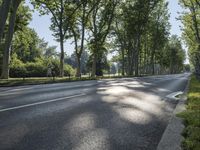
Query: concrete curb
172	138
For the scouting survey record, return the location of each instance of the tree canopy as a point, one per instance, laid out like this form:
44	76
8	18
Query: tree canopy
136	33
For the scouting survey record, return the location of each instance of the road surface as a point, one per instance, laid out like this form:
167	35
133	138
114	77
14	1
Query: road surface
114	114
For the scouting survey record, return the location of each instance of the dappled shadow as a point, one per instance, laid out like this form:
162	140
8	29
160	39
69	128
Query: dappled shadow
117	116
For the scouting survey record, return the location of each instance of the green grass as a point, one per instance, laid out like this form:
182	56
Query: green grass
192	117
47	80
40	80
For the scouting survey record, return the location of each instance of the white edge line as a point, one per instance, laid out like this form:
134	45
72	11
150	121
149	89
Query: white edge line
43	102
173	95
17	91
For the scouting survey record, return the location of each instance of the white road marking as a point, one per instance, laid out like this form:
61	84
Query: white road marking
18	91
173	95
5	94
43	102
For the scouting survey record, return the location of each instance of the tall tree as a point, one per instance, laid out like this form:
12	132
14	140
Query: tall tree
176	55
9	36
137	38
62	11
100	26
78	28
191	30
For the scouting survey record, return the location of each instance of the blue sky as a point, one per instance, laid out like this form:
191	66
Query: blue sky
174	8
41	25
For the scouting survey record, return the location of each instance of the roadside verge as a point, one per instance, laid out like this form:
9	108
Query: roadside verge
172	136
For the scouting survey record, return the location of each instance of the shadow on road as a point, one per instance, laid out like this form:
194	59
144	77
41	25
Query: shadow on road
116	116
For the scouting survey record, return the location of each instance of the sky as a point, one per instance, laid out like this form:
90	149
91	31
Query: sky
41	25
174	8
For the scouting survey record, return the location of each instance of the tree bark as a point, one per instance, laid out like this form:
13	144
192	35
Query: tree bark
61	39
130	59
94	65
78	71
123	62
61	56
4	10
78	54
6	56
152	62
137	55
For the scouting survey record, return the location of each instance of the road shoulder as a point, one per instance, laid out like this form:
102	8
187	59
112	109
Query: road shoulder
172	138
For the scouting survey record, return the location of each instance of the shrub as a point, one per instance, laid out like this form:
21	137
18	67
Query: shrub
17	68
36	69
68	70
55	64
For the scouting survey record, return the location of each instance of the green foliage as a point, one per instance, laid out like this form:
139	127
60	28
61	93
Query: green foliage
141	31
23	17
191	117
191	30
137	30
100	25
68	70
63	13
36	69
17	67
26	44
176	55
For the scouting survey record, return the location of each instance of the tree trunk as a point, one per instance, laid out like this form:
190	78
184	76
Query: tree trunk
61	40
4	10
131	53
6	56
136	63
137	56
78	70
123	62
152	63
78	54
94	65
145	55
61	57
153	57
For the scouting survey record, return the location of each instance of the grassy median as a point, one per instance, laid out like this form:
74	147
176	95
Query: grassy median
192	117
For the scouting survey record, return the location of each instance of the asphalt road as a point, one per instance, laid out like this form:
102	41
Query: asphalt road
118	114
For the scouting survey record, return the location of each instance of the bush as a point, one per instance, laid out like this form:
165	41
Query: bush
68	70
18	71
31	69
55	64
17	68
36	69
